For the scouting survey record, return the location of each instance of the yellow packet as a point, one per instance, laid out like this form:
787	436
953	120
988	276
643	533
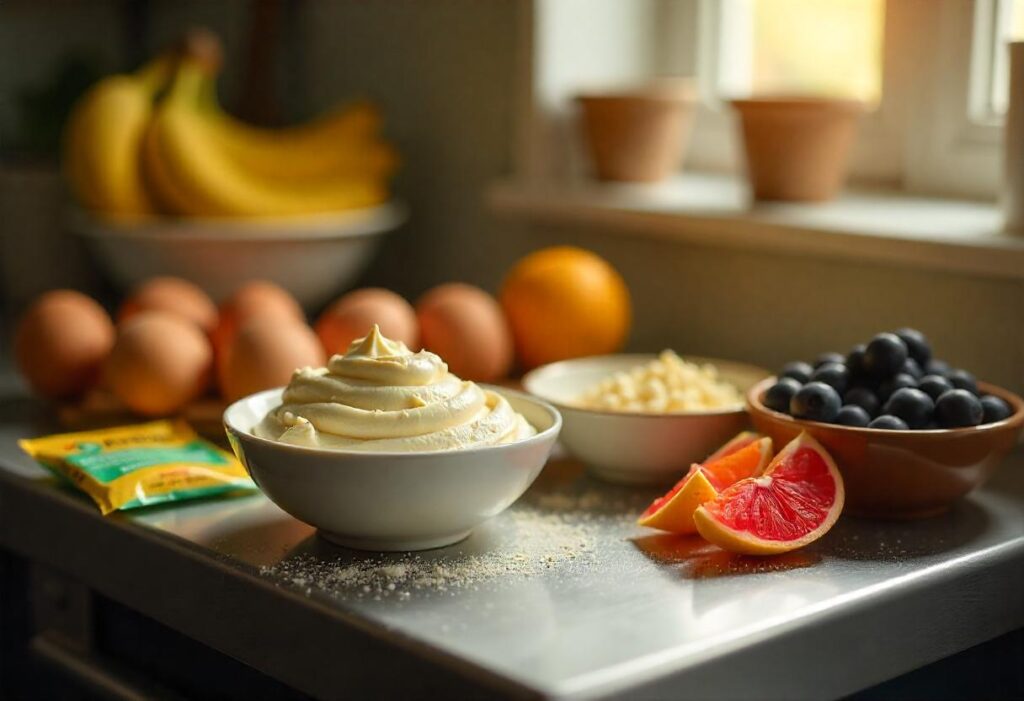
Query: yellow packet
132	466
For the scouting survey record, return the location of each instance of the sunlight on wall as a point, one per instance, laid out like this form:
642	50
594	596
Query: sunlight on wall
1017	21
822	47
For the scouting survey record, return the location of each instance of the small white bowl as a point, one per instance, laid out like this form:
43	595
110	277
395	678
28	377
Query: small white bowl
392	501
313	257
631	447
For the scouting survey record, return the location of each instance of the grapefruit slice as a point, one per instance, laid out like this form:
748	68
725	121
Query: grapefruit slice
795	501
673	512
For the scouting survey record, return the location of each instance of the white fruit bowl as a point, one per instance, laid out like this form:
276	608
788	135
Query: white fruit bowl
313	257
630	447
392	501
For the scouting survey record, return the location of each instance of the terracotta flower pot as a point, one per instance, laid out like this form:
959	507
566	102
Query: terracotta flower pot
638	135
797	148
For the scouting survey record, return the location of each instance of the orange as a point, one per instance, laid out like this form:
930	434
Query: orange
795	501
743	456
565	302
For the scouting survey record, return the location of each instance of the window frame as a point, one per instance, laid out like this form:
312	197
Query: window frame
925	137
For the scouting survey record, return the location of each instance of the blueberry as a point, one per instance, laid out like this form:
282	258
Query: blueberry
994	409
778	396
962	379
937	367
917	345
864	398
855	361
833	374
885	355
889	423
852	415
798	370
815	401
957	408
912	405
829	358
910	367
900	381
934	385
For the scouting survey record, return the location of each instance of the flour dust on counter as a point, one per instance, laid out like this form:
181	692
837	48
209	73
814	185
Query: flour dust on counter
549	533
537	542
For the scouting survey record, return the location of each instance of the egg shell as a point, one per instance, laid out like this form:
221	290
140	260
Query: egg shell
175	296
160	363
61	342
353	315
256	298
466	327
264	355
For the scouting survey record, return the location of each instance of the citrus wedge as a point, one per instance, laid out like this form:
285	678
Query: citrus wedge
738	442
795	501
673	512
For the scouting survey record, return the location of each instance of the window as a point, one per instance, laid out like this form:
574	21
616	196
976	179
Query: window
998	22
937	87
934	73
826	47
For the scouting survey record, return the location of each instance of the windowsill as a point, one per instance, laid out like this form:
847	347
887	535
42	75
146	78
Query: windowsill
713	210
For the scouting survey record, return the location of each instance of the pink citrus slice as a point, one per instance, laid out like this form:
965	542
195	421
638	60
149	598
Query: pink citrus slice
795	501
673	512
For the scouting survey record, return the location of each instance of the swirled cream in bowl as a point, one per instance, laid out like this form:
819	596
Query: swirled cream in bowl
382	397
385	449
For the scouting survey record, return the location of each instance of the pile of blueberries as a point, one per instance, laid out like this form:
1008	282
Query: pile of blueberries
891	383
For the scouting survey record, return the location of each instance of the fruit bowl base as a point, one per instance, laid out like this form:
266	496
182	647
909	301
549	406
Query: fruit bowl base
393	544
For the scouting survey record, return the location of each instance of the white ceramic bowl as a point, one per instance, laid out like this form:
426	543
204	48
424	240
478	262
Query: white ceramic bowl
313	257
637	448
392	501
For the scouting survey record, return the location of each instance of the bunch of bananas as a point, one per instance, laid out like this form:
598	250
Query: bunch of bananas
157	142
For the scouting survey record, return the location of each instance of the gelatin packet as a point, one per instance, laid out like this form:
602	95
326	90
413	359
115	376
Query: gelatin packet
142	464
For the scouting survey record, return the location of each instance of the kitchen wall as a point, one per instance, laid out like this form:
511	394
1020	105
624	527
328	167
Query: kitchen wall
445	73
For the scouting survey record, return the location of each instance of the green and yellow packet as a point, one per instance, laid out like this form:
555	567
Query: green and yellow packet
132	466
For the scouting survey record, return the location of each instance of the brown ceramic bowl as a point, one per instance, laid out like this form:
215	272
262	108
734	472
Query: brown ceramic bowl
901	474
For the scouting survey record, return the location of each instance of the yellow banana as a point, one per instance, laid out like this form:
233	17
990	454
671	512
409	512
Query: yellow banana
190	170
342	143
103	138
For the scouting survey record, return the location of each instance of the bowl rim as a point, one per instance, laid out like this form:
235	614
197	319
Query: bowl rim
535	374
355	223
1016	419
541	436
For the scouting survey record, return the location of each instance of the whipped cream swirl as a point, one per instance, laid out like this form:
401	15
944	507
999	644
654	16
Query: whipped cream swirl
381	397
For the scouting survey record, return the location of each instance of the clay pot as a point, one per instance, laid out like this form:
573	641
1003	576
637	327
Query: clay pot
797	148
638	135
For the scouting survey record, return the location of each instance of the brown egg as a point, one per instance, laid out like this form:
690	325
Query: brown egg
353	315
61	342
465	326
265	353
160	363
256	298
173	295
